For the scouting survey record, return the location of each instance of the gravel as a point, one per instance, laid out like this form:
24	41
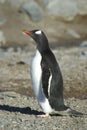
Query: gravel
19	108
19	112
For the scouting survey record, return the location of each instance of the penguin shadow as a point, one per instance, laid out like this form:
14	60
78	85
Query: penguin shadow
25	110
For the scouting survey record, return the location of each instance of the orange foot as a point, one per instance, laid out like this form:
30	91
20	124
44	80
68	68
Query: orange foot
43	115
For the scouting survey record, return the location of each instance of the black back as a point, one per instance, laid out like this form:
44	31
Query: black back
50	66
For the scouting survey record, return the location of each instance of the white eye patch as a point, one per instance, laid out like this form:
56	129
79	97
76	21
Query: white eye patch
38	32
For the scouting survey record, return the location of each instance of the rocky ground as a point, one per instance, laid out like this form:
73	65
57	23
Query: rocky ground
68	40
18	107
19	112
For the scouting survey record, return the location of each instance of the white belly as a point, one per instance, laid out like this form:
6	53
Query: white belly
36	76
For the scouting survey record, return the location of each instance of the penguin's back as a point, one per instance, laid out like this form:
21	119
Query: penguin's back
52	80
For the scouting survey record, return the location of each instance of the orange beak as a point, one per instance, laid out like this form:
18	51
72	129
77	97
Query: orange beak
26	32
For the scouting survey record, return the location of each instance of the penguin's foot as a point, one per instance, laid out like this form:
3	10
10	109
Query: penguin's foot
43	115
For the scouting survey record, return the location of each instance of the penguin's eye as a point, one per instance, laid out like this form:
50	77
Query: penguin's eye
38	32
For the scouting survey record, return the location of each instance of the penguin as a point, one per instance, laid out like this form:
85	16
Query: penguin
46	77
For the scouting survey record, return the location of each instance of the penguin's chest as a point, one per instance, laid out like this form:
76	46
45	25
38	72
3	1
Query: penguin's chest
36	77
36	73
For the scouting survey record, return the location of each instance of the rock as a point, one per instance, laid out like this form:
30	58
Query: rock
2	21
2	54
10	50
17	112
72	33
67	9
2	38
83	44
83	55
25	61
33	10
14	49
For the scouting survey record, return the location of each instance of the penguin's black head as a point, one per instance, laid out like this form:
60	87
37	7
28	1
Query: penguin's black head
39	37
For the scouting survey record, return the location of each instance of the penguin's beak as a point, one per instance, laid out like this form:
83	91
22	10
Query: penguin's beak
26	32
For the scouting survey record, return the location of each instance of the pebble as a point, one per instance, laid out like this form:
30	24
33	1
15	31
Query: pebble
2	38
2	54
10	50
2	21
25	61
83	55
73	33
83	44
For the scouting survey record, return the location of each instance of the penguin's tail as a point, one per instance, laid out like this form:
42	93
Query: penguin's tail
68	112
72	112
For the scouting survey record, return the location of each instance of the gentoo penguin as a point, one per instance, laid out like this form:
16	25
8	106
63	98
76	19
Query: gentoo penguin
47	81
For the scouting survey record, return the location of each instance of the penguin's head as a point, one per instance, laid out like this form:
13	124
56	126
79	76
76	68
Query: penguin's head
39	37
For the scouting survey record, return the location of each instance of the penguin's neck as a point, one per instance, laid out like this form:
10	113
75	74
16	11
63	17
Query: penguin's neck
43	46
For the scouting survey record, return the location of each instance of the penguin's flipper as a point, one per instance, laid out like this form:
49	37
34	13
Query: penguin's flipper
46	74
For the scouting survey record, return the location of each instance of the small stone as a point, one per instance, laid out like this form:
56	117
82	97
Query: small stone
25	61
2	54
83	55
11	49
72	33
2	21
83	44
19	49
2	38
